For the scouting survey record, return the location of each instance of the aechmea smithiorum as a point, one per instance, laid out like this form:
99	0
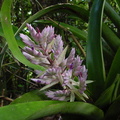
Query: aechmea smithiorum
46	49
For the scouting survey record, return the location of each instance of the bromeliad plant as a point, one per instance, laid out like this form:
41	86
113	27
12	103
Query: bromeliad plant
48	51
53	67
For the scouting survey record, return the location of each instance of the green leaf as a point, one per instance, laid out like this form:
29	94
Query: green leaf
108	54
75	9
110	37
35	95
38	109
9	35
110	94
112	14
118	3
79	33
79	12
116	91
94	58
113	112
106	97
114	70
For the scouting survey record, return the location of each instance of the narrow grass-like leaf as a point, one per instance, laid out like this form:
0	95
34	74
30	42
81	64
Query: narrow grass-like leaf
108	52
9	35
38	109
110	94
111	13
113	112
95	64
116	91
106	97
79	33
114	70
111	38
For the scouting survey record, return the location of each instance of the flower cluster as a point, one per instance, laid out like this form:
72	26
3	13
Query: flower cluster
46	49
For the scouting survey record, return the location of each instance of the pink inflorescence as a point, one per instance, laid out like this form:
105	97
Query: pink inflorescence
46	49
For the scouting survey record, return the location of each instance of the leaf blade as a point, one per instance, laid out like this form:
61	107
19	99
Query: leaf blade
113	112
34	110
95	63
9	35
114	70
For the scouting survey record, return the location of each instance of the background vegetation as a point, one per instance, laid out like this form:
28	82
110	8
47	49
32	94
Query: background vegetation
14	76
82	24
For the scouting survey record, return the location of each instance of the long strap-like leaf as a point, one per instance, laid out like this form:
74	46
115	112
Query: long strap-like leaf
112	14
9	35
114	70
38	109
81	12
95	64
110	37
113	112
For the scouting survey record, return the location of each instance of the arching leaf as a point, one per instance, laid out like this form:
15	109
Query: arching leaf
38	109
94	59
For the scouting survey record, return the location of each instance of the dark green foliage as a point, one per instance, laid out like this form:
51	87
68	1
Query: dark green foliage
96	23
